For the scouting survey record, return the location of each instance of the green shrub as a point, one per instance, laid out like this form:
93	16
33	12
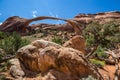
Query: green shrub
5	66
100	53
2	69
3	35
24	42
11	44
7	45
90	41
57	40
2	77
98	63
107	35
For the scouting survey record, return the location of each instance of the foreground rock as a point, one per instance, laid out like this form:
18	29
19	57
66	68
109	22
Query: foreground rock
78	43
55	61
16	69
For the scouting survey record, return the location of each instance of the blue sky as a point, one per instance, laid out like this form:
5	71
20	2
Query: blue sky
57	8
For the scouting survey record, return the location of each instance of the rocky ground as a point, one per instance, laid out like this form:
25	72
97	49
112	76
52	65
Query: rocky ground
56	52
107	71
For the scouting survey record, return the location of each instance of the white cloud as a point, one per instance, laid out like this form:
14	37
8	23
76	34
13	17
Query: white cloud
56	16
51	14
58	22
34	13
0	23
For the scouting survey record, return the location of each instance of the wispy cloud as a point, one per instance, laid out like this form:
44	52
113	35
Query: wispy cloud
51	14
55	15
0	23
34	13
58	22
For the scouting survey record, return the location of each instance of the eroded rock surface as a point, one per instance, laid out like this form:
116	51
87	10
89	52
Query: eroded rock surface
102	17
48	57
16	69
78	43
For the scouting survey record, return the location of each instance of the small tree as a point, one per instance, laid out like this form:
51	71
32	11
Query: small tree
9	44
107	35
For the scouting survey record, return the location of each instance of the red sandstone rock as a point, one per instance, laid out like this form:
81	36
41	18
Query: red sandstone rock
44	56
99	17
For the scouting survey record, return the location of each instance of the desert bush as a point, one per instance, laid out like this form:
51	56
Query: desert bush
57	40
2	77
100	53
2	35
11	44
107	35
98	63
4	66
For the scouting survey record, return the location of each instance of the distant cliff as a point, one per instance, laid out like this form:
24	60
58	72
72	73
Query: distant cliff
85	19
102	17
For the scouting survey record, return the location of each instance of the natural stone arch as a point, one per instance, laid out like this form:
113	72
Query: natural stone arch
18	24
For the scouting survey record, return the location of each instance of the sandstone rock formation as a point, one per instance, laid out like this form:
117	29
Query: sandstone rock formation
54	61
61	62
102	17
21	25
45	26
78	43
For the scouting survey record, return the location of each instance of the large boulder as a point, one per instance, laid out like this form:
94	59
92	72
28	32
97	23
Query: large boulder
44	56
77	42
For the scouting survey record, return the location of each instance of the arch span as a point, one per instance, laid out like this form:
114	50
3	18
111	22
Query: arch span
16	23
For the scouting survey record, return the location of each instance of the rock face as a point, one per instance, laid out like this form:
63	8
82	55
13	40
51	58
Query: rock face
78	43
63	63
59	27
14	23
102	17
